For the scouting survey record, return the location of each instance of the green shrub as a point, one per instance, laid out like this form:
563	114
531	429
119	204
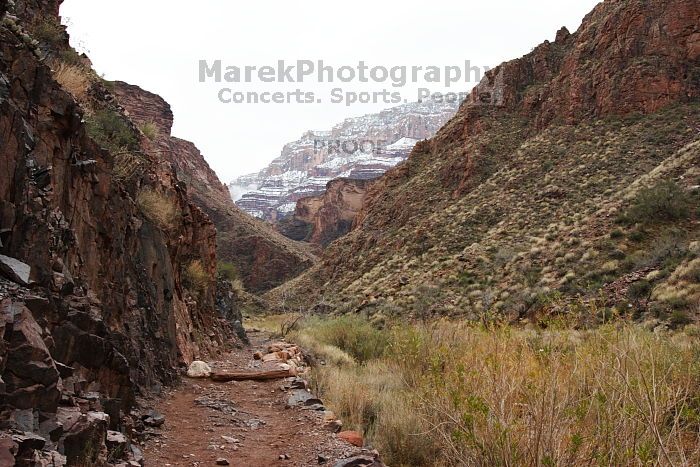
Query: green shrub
227	270
150	130
680	318
71	57
636	235
351	334
665	201
110	130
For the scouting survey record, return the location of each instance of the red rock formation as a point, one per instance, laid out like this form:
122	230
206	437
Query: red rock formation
324	218
628	56
109	311
248	243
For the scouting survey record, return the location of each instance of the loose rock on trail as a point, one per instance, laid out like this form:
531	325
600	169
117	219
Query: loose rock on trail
268	422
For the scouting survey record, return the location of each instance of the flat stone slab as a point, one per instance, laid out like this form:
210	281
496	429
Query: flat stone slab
15	270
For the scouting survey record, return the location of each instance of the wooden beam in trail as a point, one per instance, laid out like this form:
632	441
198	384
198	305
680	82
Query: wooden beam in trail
267	375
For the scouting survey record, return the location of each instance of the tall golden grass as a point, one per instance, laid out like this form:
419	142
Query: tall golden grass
158	208
74	79
456	394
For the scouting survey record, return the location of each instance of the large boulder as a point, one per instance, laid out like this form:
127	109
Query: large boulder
83	442
30	376
198	369
15	270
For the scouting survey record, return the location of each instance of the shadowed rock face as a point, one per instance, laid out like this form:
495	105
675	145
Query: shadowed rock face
107	313
263	257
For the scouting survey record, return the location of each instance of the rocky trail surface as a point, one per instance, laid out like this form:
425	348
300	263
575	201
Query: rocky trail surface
248	423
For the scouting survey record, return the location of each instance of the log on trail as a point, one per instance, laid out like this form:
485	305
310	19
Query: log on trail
266	375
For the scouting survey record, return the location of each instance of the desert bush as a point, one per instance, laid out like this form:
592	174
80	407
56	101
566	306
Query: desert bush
351	334
149	130
108	85
158	208
665	201
196	278
110	130
639	290
227	270
74	79
48	30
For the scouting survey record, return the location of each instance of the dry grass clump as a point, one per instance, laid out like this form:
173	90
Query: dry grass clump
150	130
452	394
158	208
127	165
75	79
325	353
196	277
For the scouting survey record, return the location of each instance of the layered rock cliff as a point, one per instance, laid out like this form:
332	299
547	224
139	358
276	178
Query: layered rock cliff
250	245
533	193
358	148
107	268
324	218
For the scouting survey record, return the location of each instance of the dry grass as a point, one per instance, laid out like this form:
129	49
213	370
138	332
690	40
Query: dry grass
158	208
452	394
74	79
127	166
150	131
197	280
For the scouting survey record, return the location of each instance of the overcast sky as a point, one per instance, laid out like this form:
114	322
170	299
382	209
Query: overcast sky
158	45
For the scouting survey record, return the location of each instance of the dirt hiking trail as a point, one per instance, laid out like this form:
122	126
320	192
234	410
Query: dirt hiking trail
245	423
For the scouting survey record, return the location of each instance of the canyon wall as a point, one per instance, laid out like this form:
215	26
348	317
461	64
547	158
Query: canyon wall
107	268
324	218
249	244
358	148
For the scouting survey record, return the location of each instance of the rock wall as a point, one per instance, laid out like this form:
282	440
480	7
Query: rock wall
324	218
628	56
251	245
106	312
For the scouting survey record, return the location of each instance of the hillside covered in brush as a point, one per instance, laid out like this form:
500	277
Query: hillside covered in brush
569	176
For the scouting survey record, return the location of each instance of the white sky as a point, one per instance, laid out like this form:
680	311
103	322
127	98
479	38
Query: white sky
157	44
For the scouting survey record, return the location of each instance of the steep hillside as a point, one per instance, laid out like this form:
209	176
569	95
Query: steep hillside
250	245
358	148
107	269
569	175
